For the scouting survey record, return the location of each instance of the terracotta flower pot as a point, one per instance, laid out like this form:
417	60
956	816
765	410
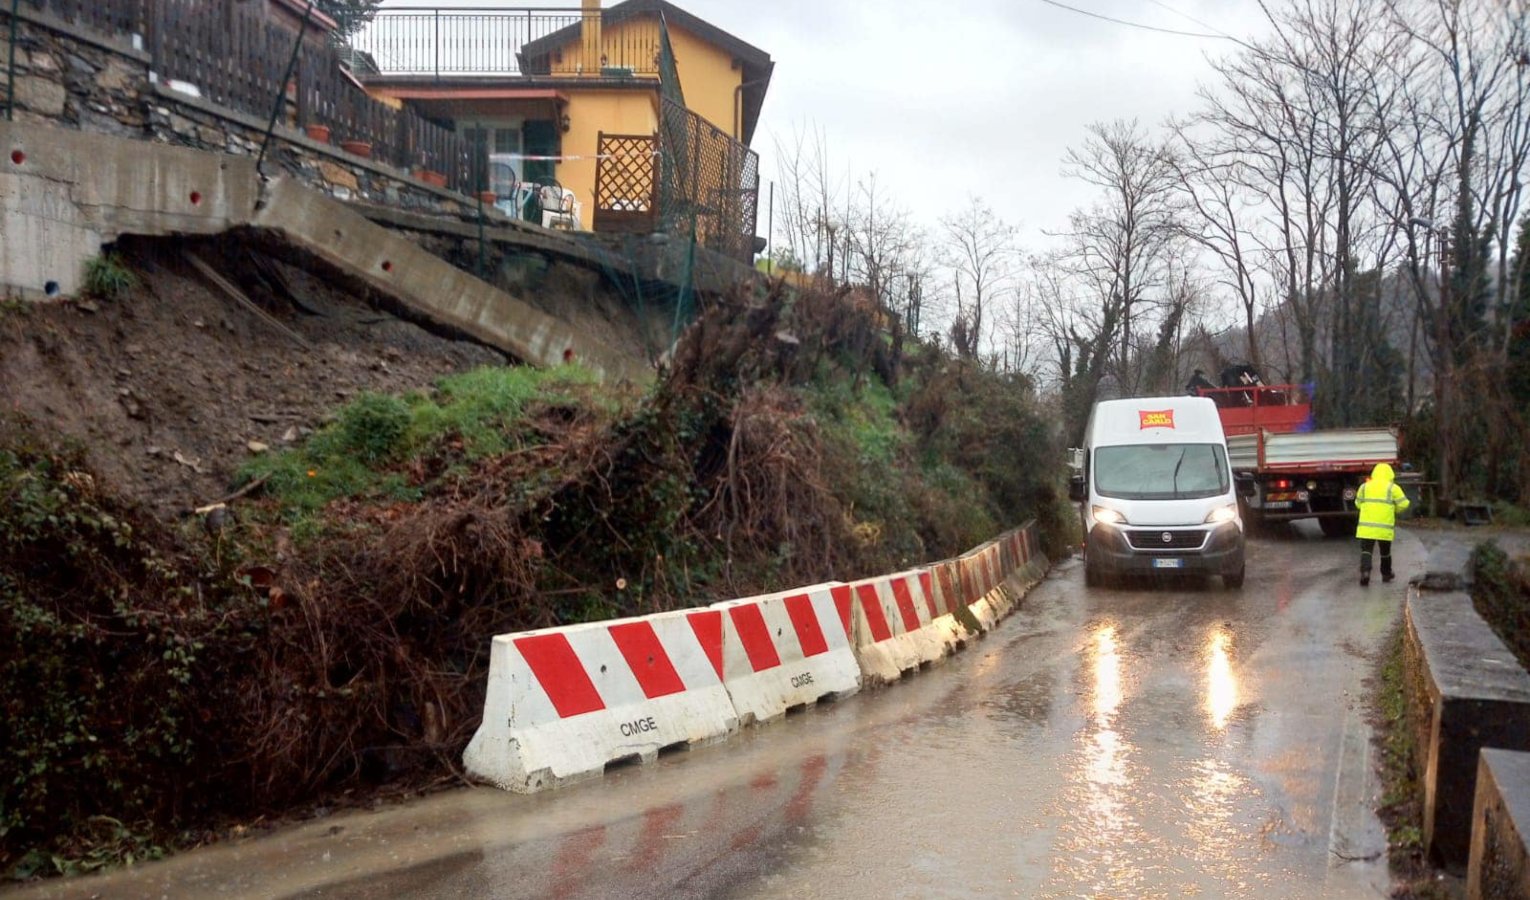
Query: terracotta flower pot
487	198
362	149
430	177
319	133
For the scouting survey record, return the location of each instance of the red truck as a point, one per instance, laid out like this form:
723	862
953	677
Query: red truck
1300	471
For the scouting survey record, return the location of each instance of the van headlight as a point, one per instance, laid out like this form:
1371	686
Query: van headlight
1108	516
1223	514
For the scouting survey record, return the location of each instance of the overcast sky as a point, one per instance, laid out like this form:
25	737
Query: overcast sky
945	98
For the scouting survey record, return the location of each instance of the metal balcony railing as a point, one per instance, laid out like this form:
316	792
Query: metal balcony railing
442	42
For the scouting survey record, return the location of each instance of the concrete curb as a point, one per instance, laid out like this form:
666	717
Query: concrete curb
1499	865
1466	692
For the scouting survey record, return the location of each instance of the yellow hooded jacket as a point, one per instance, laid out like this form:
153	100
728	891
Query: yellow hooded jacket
1379	501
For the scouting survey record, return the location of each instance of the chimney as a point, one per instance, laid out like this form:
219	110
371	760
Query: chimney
590	34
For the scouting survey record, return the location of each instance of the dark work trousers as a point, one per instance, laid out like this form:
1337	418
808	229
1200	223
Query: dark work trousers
1365	557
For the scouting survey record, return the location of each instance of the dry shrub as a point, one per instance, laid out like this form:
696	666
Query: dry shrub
773	506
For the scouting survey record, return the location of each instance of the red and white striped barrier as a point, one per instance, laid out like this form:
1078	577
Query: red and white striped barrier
897	625
564	702
946	580
786	650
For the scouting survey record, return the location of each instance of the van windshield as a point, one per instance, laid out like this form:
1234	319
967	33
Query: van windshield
1161	471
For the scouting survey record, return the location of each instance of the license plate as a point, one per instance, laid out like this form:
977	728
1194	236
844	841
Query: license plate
1168	564
1278	504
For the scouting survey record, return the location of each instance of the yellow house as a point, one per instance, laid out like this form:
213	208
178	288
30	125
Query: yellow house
642	111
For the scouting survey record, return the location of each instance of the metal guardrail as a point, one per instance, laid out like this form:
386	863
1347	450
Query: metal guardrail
444	41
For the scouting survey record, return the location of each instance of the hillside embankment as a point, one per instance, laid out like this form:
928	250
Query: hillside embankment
256	553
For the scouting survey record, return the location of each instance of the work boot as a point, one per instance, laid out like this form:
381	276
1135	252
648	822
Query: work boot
1365	580
1386	577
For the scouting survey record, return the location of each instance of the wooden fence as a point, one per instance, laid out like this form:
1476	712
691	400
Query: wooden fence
236	53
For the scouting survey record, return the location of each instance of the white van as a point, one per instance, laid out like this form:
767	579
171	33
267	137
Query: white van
1157	491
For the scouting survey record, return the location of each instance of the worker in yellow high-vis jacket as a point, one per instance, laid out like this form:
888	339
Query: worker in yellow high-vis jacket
1378	501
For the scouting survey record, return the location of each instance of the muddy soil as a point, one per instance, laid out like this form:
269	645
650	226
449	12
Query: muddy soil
174	386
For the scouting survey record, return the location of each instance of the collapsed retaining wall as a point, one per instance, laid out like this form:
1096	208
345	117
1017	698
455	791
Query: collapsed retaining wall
64	193
564	703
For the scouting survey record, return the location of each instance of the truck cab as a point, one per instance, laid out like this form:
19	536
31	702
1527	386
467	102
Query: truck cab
1158	492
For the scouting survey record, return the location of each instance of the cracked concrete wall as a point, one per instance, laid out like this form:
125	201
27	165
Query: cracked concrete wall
64	193
428	284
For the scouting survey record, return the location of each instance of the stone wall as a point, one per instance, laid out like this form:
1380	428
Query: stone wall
69	76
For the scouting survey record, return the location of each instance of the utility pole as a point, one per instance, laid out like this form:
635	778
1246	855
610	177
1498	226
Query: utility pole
1444	381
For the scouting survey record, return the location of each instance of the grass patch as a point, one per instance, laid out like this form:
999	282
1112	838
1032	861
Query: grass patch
391	448
863	418
108	278
1401	809
1501	594
1509	515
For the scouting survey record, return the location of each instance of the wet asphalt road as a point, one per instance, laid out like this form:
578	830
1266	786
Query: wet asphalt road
1140	741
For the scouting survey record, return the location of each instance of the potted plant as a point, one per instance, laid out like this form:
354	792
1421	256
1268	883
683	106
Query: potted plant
430	176
362	149
487	198
319	133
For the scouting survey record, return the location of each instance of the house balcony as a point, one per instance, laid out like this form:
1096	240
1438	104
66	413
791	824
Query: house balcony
475	43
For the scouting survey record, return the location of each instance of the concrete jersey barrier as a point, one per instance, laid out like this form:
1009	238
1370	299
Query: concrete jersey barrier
897	626
787	650
563	703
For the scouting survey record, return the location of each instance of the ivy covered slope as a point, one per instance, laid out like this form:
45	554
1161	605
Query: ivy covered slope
326	634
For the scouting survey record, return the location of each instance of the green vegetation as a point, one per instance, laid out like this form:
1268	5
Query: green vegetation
1399	767
1501	594
102	708
468	417
1509	515
329	635
108	278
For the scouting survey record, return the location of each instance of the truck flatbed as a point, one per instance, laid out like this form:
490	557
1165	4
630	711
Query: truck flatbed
1329	450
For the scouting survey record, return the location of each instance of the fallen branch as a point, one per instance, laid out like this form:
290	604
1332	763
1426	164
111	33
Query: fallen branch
247	489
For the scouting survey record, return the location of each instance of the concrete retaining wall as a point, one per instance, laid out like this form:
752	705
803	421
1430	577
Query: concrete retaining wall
1499	865
564	702
1466	692
64	193
428	284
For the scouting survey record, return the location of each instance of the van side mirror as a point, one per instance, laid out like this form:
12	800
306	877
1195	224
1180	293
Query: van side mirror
1245	485
1078	489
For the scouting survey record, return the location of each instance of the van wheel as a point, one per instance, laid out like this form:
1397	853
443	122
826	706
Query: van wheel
1234	582
1093	577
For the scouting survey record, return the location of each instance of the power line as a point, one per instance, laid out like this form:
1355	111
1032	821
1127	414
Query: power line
1095	15
1183	15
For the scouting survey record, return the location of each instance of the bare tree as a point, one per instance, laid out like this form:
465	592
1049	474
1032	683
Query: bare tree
1116	253
811	228
1213	179
887	255
980	253
1455	164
